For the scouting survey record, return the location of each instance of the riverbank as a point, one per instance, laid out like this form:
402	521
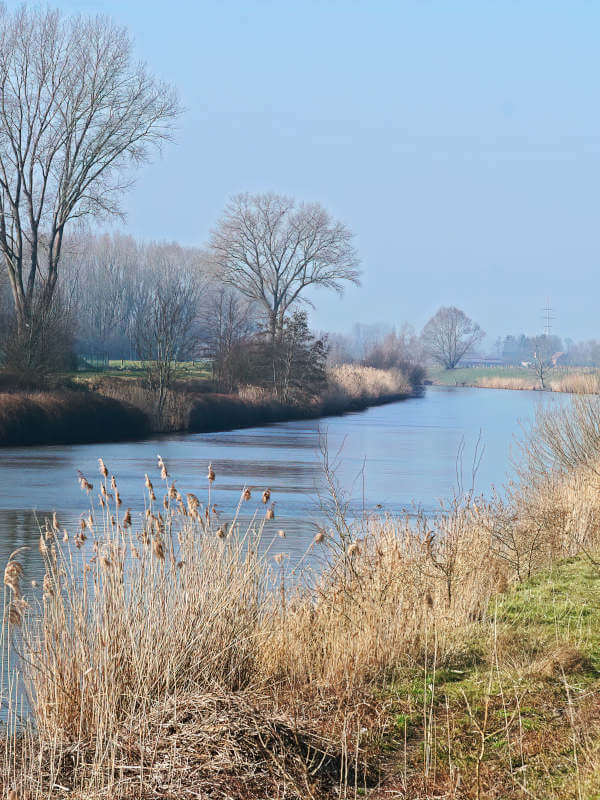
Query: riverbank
449	655
569	380
114	409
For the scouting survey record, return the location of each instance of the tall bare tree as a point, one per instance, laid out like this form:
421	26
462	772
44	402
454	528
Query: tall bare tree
75	113
272	249
449	335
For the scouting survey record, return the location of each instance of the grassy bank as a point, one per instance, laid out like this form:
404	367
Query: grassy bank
53	417
113	408
520	378
448	656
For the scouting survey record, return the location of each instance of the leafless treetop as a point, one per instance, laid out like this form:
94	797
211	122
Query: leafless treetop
449	335
75	113
271	249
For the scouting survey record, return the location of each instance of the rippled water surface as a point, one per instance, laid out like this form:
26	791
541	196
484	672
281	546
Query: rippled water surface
393	456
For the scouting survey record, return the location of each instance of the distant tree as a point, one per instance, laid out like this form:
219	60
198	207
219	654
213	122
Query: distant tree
293	367
164	316
271	249
544	355
229	323
300	359
401	351
76	112
449	335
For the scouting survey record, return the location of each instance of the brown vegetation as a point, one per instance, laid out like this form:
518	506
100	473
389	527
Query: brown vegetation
578	383
118	408
63	416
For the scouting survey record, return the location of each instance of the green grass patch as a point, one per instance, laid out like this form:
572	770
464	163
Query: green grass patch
530	709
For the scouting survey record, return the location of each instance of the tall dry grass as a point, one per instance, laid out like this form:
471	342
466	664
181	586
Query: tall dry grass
181	653
363	383
577	383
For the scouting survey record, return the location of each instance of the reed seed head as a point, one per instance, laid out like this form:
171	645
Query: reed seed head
193	504
102	468
353	549
48	586
84	483
163	469
266	496
42	545
15	611
12	577
127	519
320	536
270	512
247	494
211	473
148	482
157	547
281	534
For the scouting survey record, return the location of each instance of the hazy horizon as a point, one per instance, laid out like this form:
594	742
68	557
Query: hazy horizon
459	142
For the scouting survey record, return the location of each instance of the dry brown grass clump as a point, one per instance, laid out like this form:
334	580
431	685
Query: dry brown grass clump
371	609
359	382
578	383
66	416
522	384
177	408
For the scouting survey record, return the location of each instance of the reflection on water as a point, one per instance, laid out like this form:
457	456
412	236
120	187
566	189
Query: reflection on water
394	456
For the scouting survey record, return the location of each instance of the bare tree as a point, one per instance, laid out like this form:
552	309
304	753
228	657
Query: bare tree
105	273
272	249
229	322
449	335
544	358
75	113
164	317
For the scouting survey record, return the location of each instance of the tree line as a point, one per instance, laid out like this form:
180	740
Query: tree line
78	115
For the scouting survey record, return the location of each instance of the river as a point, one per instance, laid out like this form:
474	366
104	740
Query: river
396	457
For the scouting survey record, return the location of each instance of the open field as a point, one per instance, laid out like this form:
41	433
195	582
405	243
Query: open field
447	656
128	369
571	379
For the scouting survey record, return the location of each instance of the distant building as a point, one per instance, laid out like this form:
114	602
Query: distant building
482	361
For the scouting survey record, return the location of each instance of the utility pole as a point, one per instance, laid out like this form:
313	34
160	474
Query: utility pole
548	317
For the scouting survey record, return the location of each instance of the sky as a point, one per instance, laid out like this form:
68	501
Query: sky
460	141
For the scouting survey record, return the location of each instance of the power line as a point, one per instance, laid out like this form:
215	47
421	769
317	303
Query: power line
548	317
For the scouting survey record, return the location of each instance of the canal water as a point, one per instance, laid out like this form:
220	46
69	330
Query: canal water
393	457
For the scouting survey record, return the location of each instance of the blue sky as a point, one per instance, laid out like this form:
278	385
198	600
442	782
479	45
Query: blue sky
459	140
